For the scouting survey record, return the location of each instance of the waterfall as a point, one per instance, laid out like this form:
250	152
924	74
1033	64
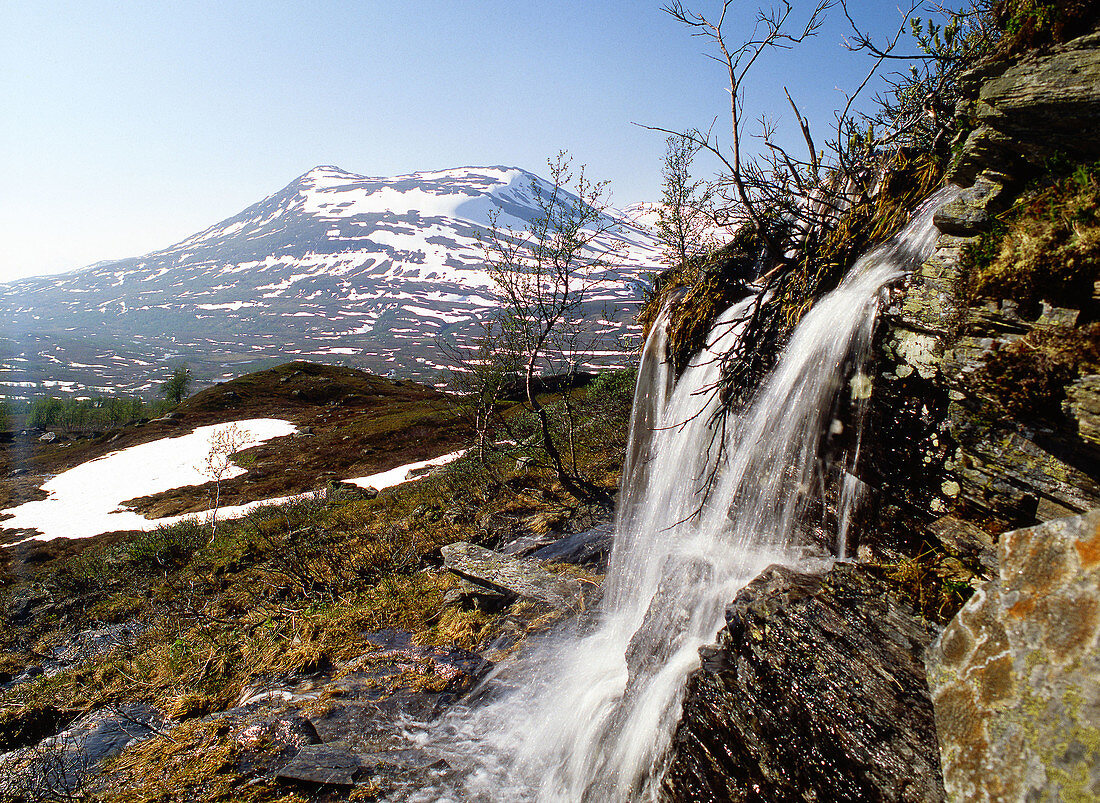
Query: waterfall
707	502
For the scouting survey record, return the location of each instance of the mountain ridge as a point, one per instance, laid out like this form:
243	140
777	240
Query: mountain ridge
370	270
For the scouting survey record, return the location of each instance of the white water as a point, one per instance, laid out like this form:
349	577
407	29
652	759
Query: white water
707	503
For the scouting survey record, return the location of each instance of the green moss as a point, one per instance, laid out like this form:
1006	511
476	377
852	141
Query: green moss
720	283
1046	248
1027	379
1030	24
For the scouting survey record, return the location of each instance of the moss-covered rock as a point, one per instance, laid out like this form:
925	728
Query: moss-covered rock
1014	677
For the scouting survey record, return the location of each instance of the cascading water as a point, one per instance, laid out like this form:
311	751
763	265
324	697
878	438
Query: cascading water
707	502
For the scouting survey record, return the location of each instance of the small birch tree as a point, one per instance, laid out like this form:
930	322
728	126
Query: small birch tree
544	273
682	220
218	464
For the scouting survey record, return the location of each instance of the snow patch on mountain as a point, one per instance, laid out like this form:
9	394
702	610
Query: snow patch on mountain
382	267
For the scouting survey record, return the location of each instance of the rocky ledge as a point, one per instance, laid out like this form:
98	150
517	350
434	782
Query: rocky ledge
815	691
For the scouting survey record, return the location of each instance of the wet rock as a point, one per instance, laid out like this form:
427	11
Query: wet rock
360	703
665	627
61	764
1015	677
590	547
94	642
815	691
969	213
521	577
322	764
526	544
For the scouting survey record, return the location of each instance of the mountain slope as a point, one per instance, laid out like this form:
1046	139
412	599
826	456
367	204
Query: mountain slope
337	266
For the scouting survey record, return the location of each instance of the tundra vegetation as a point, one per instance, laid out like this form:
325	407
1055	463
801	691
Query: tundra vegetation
281	592
290	589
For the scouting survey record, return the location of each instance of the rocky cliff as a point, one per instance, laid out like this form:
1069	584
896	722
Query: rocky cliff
983	417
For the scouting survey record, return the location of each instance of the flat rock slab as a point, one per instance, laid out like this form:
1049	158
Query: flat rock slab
1015	676
517	576
324	764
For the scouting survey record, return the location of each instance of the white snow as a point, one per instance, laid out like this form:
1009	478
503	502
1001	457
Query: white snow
86	500
233	306
396	476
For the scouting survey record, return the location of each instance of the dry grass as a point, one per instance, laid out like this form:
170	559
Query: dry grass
1046	248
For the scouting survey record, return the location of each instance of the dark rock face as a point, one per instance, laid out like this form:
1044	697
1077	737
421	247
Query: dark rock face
938	442
1015	677
816	692
1045	104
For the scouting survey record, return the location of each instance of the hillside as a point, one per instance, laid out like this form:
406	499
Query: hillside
349	424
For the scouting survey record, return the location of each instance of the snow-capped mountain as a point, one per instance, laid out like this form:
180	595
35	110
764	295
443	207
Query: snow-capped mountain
335	266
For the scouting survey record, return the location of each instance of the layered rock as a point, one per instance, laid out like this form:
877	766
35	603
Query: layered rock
1015	677
940	442
815	691
1042	106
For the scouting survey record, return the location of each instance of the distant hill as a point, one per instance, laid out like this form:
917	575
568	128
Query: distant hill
351	424
337	267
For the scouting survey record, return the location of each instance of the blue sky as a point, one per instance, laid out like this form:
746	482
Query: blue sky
127	126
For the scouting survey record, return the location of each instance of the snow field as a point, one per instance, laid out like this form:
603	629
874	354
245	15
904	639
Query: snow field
87	500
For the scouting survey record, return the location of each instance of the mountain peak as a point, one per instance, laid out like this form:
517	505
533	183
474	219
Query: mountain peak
325	174
335	266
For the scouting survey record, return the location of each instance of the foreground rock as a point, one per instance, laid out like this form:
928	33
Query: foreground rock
1015	677
815	691
515	576
58	767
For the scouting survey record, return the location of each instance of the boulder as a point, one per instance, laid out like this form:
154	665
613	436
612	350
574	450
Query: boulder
590	547
815	691
1015	676
520	577
340	491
